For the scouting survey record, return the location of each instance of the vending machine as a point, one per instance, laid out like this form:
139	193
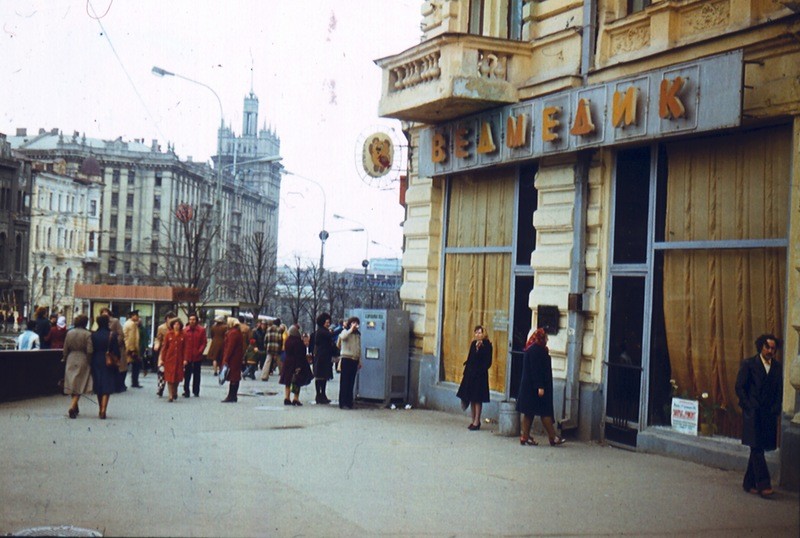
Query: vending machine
384	354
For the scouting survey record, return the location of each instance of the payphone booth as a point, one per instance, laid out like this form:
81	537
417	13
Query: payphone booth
384	354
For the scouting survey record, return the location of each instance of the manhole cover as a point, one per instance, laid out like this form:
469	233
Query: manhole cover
56	530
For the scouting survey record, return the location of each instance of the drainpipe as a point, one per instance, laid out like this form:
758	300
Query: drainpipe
577	287
589	36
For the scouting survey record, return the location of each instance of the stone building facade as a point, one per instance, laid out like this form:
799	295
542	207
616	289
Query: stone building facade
622	173
15	224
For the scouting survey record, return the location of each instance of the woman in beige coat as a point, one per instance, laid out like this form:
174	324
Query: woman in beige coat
78	356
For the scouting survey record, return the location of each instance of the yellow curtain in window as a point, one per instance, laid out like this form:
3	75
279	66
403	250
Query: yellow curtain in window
717	301
477	285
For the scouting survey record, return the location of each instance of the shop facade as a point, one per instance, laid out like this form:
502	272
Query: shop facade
640	201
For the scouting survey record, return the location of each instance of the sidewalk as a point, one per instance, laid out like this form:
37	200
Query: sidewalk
197	467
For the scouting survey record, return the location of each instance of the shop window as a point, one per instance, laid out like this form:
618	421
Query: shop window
477	275
710	298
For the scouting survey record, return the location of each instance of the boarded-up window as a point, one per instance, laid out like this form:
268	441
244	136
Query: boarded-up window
477	276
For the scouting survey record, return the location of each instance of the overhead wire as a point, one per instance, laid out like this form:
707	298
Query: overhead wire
121	63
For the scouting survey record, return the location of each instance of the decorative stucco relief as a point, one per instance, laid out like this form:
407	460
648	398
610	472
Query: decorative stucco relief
492	65
631	39
706	17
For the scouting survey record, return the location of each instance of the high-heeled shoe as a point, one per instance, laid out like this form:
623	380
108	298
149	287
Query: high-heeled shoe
555	441
102	415
474	427
73	413
528	442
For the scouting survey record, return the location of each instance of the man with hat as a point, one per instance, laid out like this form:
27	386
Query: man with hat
131	334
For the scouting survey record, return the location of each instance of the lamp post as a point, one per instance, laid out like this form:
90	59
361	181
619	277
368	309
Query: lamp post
216	252
323	234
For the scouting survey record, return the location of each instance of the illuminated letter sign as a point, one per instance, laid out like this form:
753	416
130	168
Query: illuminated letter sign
515	130
669	105
625	107
583	124
549	122
439	148
486	141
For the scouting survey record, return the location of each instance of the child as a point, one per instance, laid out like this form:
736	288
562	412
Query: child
251	360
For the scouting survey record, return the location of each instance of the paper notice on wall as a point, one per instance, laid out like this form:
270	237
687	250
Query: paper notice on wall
684	416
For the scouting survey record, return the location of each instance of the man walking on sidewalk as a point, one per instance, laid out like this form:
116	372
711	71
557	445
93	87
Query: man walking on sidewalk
195	345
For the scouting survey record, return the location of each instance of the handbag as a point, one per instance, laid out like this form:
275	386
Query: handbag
223	374
111	359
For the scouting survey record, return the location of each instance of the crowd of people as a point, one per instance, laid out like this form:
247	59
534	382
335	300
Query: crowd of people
98	362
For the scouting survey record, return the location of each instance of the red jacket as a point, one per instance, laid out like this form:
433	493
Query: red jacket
195	343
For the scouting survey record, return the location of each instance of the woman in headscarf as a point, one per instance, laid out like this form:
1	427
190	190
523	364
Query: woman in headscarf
295	372
104	377
474	388
536	389
232	357
58	334
78	356
173	357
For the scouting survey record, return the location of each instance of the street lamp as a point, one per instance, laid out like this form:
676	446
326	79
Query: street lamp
217	221
323	234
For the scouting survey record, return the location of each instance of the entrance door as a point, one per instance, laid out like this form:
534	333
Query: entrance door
628	307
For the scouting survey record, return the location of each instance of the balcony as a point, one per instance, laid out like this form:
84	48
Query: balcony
453	75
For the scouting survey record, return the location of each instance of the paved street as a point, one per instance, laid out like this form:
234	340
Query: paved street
256	468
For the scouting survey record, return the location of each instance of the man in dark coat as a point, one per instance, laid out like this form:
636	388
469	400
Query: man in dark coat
759	386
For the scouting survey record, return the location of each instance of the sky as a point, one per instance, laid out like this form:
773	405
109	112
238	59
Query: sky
85	66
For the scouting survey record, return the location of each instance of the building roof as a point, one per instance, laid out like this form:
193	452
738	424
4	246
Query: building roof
54	139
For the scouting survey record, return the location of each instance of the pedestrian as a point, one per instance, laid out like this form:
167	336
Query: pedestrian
29	340
296	372
172	357
250	360
57	334
104	376
2	321
759	386
116	327
474	388
132	344
536	389
232	355
42	326
260	335
144	348
195	345
218	331
324	352
77	355
247	332
274	344
349	360
161	331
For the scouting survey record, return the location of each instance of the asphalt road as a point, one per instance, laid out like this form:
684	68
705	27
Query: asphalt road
197	467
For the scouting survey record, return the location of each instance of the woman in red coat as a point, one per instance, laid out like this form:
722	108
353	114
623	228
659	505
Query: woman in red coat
232	357
173	357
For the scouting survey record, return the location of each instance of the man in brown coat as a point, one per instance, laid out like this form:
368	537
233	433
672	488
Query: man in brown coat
131	332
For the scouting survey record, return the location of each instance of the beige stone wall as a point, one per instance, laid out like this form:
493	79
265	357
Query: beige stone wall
791	347
553	220
421	259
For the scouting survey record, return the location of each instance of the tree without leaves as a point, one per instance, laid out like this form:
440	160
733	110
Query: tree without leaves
254	274
294	287
185	261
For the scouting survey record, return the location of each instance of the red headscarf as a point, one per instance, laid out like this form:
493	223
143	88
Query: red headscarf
537	338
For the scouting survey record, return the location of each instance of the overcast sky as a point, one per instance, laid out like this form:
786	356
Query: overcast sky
313	73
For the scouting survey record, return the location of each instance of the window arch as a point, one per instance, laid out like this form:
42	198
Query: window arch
45	280
68	282
18	254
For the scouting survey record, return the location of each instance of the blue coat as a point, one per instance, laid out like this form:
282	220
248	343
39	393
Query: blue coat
760	397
